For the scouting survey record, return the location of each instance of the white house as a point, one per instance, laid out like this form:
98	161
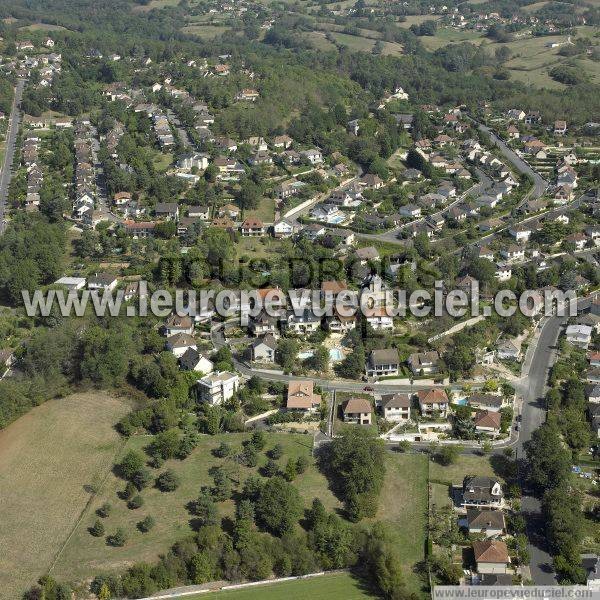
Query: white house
192	360
396	407
217	388
179	343
579	335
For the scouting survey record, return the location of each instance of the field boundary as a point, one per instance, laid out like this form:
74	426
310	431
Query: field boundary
239	586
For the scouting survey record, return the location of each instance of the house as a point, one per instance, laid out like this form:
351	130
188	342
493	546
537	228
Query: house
503	272
594	395
179	343
102	282
432	402
383	363
313	231
579	240
358	410
491	556
199	212
353	127
71	283
193	160
178	324
263	324
594	359
283	229
513	132
301	396
372	182
513	252
560	127
488	422
479	491
508	350
520	233
533	146
533	117
121	198
579	335
487	201
167	210
487	402
346	236
410	210
139	229
304	322
247	94
379	320
282	141
396	407
483	520
365	255
7	360
516	114
192	360
217	388
313	156
263	349
252	227
337	323
424	363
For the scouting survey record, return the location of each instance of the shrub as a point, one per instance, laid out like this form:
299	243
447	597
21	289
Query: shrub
104	510
135	502
146	524
168	481
117	539
97	529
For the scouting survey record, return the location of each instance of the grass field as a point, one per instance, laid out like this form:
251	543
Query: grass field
43	27
449	35
417	20
85	555
403	504
206	32
48	460
466	464
265	210
337	586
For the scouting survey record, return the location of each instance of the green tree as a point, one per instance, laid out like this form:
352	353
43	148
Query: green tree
279	506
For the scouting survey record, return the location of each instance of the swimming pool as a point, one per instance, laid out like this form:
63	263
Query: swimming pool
461	402
306	354
337	220
336	354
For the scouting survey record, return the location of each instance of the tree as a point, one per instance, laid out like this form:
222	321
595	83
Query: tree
404	446
146	524
287	352
206	510
447	455
549	461
104	510
354	461
276	452
279	506
223	450
104	593
135	502
97	529
258	440
168	481
117	539
302	463
290	472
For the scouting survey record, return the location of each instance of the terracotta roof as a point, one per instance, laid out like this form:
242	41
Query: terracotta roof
488	418
490	551
252	223
358	405
300	395
396	401
333	286
433	396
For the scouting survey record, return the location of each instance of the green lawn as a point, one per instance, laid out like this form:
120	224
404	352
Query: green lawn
85	555
207	32
265	210
449	35
337	586
403	505
466	464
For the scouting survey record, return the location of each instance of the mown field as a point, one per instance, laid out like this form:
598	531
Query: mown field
337	586
49	461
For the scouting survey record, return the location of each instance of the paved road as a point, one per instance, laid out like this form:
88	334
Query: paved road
11	137
533	389
539	183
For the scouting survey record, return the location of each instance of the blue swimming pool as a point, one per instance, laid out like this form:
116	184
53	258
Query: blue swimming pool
306	354
337	220
461	401
336	354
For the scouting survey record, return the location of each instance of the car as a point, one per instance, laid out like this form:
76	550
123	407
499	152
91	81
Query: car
519	418
516	427
367	388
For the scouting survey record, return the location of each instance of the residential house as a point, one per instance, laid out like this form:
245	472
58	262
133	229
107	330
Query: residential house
396	407
199	212
218	387
560	127
139	229
301	396
252	227
487	402
433	402
263	349
263	324
503	272
71	283
283	229
579	240
579	335
410	210
383	363
424	363
488	422
520	233
302	323
484	521
313	231
513	253
491	556
358	410
313	156
104	282
379	320
367	254
178	324
480	491
167	210
508	350
179	343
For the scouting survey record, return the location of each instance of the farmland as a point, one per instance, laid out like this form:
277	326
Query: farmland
50	460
